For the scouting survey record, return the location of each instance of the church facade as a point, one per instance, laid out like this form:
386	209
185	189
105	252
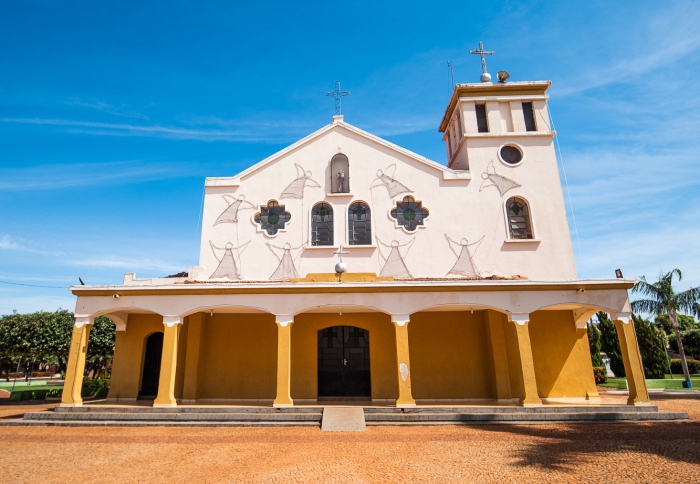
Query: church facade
345	267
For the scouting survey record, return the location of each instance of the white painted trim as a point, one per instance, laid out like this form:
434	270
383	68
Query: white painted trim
530	97
519	318
401	319
522	152
624	317
522	241
284	319
81	321
340	194
513	134
171	321
235	181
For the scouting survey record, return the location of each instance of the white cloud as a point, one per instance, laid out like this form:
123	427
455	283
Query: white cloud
107	108
80	174
130	264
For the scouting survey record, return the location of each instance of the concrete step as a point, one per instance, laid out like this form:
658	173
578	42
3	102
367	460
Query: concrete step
515	409
182	410
379	418
158	423
174	416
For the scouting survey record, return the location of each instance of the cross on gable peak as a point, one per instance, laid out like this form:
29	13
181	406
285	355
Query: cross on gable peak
338	94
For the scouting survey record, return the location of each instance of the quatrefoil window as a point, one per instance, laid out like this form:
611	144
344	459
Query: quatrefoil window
409	213
272	217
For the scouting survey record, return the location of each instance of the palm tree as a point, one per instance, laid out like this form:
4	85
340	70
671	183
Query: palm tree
663	300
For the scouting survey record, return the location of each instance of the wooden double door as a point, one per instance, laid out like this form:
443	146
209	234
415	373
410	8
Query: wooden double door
343	362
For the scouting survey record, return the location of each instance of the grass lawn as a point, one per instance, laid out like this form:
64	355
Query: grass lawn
675	383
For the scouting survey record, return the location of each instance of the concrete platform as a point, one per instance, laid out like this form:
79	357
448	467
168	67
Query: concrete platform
343	419
336	417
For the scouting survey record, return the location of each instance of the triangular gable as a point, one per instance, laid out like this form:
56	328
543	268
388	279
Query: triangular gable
447	173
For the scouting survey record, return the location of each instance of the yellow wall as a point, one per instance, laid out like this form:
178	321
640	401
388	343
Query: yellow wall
561	355
450	355
382	351
238	357
129	351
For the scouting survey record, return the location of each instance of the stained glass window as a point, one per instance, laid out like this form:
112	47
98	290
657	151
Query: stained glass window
322	224
359	224
511	155
272	217
519	223
409	213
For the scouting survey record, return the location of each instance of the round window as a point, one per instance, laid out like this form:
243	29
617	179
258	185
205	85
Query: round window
511	155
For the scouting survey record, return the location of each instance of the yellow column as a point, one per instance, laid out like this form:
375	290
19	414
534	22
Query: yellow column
403	369
499	356
76	362
168	362
284	363
530	397
632	359
194	338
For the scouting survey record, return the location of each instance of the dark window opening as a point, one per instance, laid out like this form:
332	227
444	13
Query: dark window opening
322	225
272	217
359	224
511	155
481	121
409	213
529	114
519	223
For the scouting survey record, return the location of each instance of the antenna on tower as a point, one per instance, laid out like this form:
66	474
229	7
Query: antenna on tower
450	75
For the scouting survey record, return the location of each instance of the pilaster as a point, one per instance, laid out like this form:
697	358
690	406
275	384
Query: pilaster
530	396
499	355
632	359
194	339
168	362
284	364
403	361
73	385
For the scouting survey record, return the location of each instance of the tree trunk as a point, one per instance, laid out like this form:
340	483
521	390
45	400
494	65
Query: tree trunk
684	363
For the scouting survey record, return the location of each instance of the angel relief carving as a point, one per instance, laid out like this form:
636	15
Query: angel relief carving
502	183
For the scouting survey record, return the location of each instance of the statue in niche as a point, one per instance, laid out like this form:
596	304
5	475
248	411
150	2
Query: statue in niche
341	181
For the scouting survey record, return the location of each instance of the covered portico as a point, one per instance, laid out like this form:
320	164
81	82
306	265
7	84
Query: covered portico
511	342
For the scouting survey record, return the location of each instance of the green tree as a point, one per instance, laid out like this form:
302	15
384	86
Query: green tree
685	323
594	345
651	348
101	345
663	299
609	343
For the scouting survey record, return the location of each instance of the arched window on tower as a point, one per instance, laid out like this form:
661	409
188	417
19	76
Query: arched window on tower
321	224
519	221
359	224
340	174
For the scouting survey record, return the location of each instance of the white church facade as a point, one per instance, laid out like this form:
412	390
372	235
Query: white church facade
458	284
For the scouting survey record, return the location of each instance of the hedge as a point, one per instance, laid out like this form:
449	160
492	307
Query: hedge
677	368
97	390
600	374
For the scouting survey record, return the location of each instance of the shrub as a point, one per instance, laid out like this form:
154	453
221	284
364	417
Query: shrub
600	374
677	368
95	384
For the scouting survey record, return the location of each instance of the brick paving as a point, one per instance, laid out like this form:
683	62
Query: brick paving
619	453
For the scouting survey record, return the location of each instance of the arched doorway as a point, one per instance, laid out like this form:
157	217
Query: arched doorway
151	366
343	362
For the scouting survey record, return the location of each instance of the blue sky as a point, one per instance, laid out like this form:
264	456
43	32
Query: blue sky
112	113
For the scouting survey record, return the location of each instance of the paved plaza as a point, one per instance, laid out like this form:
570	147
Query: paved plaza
619	452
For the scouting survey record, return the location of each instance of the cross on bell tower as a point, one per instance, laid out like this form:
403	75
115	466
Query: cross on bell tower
485	76
337	95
